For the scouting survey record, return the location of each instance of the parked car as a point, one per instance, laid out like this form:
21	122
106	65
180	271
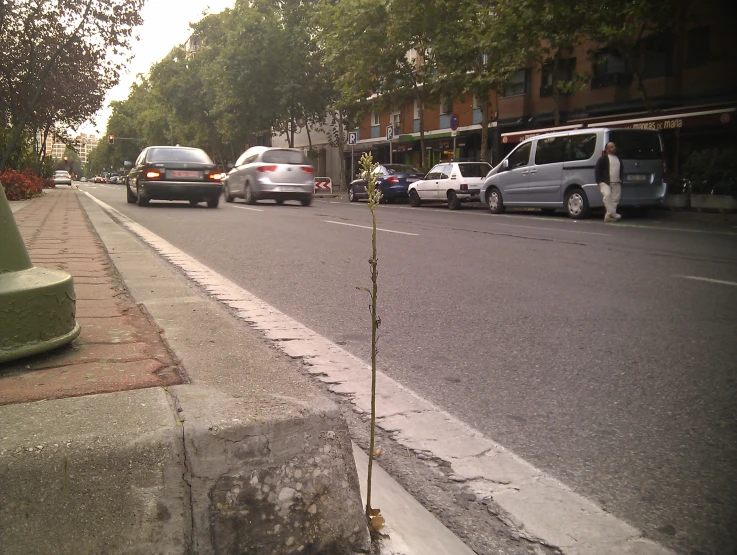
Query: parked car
174	173
113	178
556	170
83	179
278	174
98	179
62	177
453	182
394	181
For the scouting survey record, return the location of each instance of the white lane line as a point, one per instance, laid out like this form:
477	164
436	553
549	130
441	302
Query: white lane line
556	230
709	280
369	227
247	208
527	496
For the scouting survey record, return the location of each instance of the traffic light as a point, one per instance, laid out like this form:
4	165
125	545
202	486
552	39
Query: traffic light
111	139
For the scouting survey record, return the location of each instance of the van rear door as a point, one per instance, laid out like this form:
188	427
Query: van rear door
641	152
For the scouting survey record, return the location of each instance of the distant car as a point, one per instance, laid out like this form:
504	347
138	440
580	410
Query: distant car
83	179
452	182
394	181
98	179
270	173
62	177
174	173
113	178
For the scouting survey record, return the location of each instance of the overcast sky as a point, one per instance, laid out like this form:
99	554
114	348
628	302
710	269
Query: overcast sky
165	25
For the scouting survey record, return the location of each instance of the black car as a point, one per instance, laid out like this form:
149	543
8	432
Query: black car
394	179
174	173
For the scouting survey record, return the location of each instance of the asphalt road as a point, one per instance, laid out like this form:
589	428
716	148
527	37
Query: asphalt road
589	349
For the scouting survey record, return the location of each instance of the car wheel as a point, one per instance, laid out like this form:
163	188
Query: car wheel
194	202
306	201
351	195
129	196
140	200
577	205
414	199
454	203
248	195
280	201
213	202
495	201
226	192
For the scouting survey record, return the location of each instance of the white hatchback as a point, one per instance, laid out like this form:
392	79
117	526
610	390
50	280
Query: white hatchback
451	182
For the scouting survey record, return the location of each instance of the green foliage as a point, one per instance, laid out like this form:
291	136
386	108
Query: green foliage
712	171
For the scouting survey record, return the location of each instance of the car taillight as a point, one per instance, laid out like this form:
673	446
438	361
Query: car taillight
266	168
153	174
393	179
464	187
308	169
214	176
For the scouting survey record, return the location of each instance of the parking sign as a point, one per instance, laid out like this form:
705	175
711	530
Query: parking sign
352	137
389	132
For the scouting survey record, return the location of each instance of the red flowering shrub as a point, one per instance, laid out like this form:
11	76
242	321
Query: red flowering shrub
23	185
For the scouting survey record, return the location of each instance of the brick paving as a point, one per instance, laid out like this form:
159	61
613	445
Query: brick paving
119	348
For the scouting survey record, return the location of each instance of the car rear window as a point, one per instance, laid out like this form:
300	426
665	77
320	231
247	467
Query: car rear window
62	174
636	145
284	157
474	170
194	155
400	168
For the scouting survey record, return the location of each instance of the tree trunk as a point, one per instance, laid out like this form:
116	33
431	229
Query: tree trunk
341	147
556	89
309	138
484	104
422	132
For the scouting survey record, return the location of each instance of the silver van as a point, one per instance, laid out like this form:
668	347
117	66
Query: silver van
263	172
556	170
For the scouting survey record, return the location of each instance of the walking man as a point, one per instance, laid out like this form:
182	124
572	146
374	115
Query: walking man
608	174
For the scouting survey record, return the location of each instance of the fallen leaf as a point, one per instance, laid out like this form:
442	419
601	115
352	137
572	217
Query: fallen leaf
377	452
377	523
374	512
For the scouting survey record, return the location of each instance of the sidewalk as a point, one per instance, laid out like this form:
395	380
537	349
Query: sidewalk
118	349
142	445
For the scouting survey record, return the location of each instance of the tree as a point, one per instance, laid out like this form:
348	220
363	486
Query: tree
634	30
39	38
481	46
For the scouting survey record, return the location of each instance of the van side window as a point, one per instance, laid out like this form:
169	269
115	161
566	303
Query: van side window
581	147
520	157
551	150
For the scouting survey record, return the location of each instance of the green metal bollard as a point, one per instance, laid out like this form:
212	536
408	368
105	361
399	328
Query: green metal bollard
37	305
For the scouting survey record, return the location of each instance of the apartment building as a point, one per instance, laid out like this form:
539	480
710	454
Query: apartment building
690	81
83	143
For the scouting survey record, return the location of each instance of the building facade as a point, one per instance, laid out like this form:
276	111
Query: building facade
690	85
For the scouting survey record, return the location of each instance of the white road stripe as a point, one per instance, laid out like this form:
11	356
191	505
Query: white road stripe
369	227
535	505
556	230
247	208
720	281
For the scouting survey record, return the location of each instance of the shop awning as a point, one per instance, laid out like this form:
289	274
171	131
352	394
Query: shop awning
662	122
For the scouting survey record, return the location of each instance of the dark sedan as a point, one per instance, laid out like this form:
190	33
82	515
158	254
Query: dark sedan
394	179
174	173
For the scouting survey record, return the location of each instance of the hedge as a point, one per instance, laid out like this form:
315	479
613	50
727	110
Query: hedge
23	185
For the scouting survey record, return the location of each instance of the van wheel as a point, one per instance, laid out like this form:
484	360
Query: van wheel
454	203
414	199
577	205
496	204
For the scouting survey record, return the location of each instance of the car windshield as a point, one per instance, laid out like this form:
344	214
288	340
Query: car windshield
636	145
194	155
284	157
400	168
479	169
61	174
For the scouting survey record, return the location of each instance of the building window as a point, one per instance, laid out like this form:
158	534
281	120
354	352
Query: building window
519	83
375	118
446	106
417	110
697	47
566	74
656	56
610	69
396	120
412	57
